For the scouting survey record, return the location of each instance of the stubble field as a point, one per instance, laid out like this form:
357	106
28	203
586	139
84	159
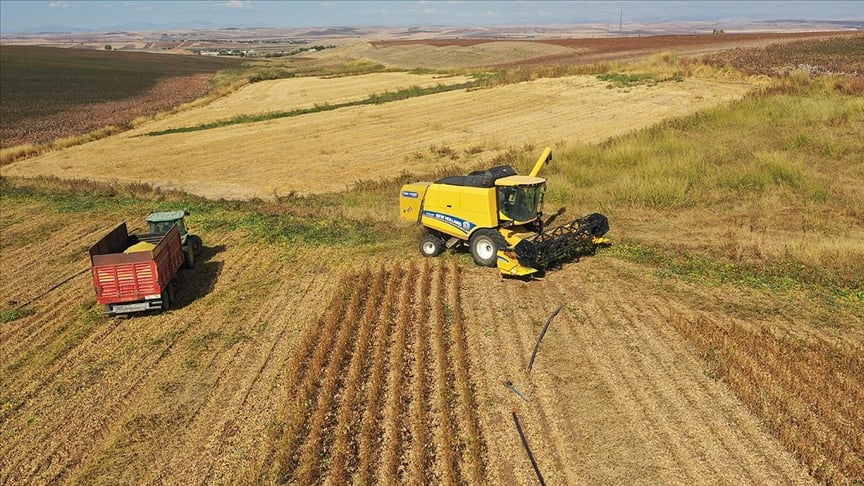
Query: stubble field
313	345
310	371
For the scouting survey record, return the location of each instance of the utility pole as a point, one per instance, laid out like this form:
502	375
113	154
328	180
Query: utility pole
620	20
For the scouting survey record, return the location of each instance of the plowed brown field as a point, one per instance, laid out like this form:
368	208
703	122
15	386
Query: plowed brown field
297	370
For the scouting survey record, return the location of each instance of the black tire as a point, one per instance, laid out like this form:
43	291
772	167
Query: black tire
166	297
431	245
189	256
172	293
196	243
484	245
597	224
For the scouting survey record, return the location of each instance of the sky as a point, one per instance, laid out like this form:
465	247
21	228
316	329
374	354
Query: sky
17	16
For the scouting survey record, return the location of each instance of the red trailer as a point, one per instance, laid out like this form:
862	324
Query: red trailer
129	279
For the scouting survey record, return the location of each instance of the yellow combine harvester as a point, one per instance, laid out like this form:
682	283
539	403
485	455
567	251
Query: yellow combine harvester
498	214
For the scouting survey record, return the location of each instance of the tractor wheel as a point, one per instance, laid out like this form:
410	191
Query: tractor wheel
196	243
484	245
189	256
431	245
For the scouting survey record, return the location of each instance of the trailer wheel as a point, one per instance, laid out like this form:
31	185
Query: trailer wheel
431	245
172	292
166	298
484	245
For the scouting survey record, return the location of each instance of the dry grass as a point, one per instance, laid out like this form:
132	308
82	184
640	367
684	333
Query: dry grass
420	55
770	183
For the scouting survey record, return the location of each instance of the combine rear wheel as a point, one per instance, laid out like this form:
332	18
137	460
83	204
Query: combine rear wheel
484	245
431	245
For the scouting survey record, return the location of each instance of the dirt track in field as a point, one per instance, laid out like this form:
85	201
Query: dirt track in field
272	369
330	151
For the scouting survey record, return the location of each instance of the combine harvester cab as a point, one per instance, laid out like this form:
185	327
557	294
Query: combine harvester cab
498	213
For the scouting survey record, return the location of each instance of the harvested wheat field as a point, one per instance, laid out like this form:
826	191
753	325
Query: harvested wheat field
331	150
298	94
277	369
181	397
466	52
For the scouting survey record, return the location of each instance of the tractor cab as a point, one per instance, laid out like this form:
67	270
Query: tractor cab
161	222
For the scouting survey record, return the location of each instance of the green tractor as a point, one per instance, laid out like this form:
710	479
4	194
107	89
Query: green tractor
161	222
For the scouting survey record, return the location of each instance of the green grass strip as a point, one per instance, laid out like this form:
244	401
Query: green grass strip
375	99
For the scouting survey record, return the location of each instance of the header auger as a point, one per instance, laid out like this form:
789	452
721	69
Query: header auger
498	215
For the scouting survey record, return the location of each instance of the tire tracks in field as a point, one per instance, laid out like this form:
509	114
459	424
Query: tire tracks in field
715	448
656	392
49	313
247	410
494	334
146	342
69	435
206	358
712	437
36	277
802	392
748	446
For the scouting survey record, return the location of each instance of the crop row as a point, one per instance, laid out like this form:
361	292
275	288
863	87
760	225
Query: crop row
379	387
808	390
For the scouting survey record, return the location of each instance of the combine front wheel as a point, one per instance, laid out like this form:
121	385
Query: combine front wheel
484	246
431	245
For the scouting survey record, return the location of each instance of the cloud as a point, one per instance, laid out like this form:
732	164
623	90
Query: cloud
238	3
327	4
59	4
